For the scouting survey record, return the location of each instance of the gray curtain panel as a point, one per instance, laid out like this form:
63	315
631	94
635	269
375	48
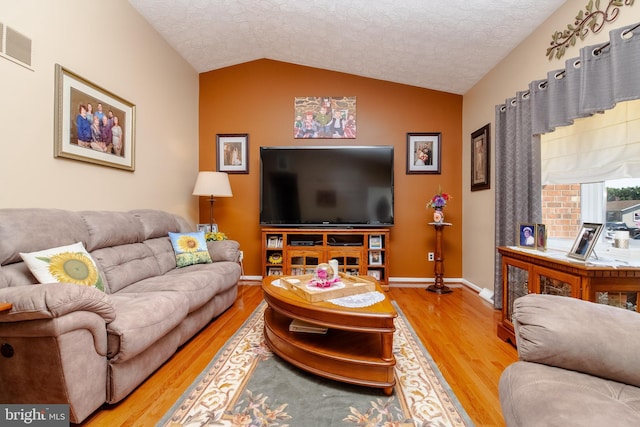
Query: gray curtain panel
602	76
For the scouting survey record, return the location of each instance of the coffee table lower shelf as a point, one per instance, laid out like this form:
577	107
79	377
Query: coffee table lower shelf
349	356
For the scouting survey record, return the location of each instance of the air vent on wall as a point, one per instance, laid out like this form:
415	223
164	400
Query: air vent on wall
15	46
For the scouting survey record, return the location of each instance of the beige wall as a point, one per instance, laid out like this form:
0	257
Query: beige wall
111	45
525	63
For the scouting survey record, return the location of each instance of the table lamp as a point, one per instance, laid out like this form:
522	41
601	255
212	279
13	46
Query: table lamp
212	184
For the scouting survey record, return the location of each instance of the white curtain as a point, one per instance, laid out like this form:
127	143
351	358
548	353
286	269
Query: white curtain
601	77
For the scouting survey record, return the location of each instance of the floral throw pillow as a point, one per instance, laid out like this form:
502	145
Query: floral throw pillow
190	248
64	264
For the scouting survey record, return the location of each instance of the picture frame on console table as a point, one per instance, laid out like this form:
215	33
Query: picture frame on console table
375	258
526	235
480	160
541	237
232	152
585	241
423	152
73	137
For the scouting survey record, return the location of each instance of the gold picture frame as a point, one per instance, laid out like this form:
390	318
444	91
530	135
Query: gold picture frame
73	94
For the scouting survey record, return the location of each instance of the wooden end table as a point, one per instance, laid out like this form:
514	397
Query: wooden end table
438	270
357	348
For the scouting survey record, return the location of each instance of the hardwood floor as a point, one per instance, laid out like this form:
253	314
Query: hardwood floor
458	330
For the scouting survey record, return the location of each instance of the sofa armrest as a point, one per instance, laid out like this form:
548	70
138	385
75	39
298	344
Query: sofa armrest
578	335
54	300
224	250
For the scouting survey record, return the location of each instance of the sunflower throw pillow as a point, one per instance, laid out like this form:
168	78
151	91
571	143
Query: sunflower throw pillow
64	264
190	248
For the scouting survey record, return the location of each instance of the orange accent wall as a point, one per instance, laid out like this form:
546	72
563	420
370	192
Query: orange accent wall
257	98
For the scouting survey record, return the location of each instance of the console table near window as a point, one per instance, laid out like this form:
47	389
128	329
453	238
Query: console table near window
528	271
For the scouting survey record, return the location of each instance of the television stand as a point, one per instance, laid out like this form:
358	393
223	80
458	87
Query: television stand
297	251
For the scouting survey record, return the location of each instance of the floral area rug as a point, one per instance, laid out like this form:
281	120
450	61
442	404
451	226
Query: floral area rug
247	385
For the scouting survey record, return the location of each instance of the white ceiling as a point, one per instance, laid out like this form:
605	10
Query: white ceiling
446	45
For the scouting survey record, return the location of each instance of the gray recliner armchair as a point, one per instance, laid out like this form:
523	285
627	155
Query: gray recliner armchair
579	365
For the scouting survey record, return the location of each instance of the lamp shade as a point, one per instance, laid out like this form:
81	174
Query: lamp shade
214	184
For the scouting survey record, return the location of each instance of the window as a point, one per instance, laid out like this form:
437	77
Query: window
584	170
615	203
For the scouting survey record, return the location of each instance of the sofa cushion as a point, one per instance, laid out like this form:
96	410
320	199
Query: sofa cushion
141	319
68	264
158	223
198	283
532	394
578	335
107	228
125	264
32	229
190	248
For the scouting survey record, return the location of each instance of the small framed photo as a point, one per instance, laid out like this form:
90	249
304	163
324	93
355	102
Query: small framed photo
274	242
423	152
480	161
527	236
204	227
375	241
274	271
92	124
232	153
374	273
541	237
375	258
585	241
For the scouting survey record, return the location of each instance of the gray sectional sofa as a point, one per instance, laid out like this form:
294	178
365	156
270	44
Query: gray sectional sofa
74	344
579	365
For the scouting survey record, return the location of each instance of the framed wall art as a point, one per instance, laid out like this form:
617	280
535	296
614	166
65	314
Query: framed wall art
423	152
585	241
324	117
91	123
480	151
233	153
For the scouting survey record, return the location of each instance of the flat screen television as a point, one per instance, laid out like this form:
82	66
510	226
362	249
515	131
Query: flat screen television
332	186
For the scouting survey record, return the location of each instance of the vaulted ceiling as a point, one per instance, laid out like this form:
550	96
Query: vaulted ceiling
446	45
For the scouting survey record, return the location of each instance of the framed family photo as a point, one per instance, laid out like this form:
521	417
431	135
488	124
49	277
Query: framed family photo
586	240
326	117
480	151
423	152
232	153
92	124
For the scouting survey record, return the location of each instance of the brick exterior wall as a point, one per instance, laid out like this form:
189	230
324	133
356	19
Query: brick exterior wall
561	210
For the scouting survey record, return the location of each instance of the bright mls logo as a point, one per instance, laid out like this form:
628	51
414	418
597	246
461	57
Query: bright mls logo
34	415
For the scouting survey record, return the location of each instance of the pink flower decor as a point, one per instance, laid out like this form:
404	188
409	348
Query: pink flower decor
439	201
323	283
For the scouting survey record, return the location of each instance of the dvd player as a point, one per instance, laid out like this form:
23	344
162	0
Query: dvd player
302	243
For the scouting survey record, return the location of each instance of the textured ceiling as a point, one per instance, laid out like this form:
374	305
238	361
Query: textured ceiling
446	45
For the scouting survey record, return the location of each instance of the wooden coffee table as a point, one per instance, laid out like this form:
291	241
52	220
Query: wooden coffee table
357	348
